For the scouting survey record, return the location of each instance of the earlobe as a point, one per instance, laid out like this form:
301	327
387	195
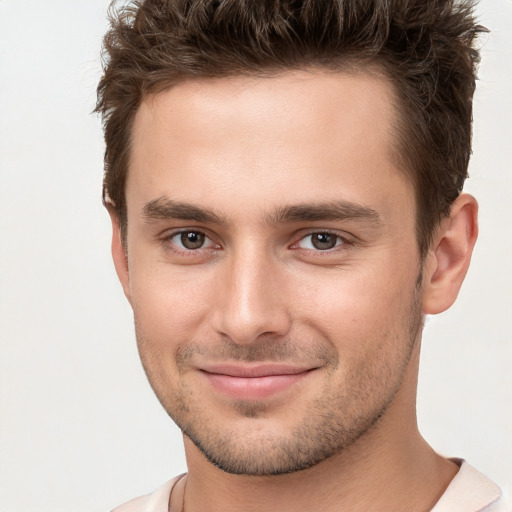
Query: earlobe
119	253
448	259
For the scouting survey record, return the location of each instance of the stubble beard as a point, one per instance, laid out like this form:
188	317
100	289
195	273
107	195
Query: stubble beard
335	420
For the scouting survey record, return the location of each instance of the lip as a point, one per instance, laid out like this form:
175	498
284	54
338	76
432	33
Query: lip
253	382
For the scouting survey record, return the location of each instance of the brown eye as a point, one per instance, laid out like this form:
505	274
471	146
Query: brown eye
321	241
324	241
192	239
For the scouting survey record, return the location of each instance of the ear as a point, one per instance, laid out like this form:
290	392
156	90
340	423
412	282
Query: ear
449	256
119	254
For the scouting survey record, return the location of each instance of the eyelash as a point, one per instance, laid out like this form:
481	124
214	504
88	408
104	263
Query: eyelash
167	239
342	243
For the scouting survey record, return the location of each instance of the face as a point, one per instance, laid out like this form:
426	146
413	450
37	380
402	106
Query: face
272	264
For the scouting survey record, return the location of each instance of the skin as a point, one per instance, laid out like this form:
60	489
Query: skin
264	169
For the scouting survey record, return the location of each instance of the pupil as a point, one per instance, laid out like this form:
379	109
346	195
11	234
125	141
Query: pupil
192	240
323	241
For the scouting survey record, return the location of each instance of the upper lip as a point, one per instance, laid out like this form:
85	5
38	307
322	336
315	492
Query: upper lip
259	370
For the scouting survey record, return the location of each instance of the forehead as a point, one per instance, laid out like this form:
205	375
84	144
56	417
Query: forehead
279	138
300	103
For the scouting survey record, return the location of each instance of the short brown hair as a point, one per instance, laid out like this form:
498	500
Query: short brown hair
426	47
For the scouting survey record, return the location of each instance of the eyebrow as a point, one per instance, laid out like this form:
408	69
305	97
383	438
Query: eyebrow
333	211
164	208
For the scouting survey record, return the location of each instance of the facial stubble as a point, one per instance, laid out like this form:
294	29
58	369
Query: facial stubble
336	419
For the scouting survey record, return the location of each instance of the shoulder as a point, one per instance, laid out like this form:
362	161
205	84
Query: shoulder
157	501
472	491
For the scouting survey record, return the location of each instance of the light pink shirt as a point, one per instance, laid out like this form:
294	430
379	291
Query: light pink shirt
469	491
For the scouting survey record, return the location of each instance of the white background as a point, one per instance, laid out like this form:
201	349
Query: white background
80	429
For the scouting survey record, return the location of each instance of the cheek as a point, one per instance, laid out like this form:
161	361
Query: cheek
357	311
169	304
373	329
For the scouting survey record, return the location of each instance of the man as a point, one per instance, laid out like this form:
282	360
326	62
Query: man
284	182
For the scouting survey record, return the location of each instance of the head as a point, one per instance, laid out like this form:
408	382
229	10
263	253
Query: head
284	186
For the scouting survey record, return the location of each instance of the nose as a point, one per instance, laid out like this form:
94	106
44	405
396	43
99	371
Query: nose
251	298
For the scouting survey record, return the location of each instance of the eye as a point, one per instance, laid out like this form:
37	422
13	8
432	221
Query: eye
320	241
191	240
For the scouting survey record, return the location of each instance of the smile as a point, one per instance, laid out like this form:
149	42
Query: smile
253	382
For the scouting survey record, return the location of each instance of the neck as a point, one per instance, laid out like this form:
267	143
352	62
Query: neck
390	467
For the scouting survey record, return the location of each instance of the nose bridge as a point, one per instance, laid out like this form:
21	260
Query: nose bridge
250	303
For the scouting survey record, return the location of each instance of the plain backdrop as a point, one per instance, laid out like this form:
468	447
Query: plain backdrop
80	429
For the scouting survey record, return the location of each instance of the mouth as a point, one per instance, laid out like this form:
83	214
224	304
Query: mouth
253	382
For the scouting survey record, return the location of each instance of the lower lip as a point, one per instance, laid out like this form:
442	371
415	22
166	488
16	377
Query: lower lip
253	388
